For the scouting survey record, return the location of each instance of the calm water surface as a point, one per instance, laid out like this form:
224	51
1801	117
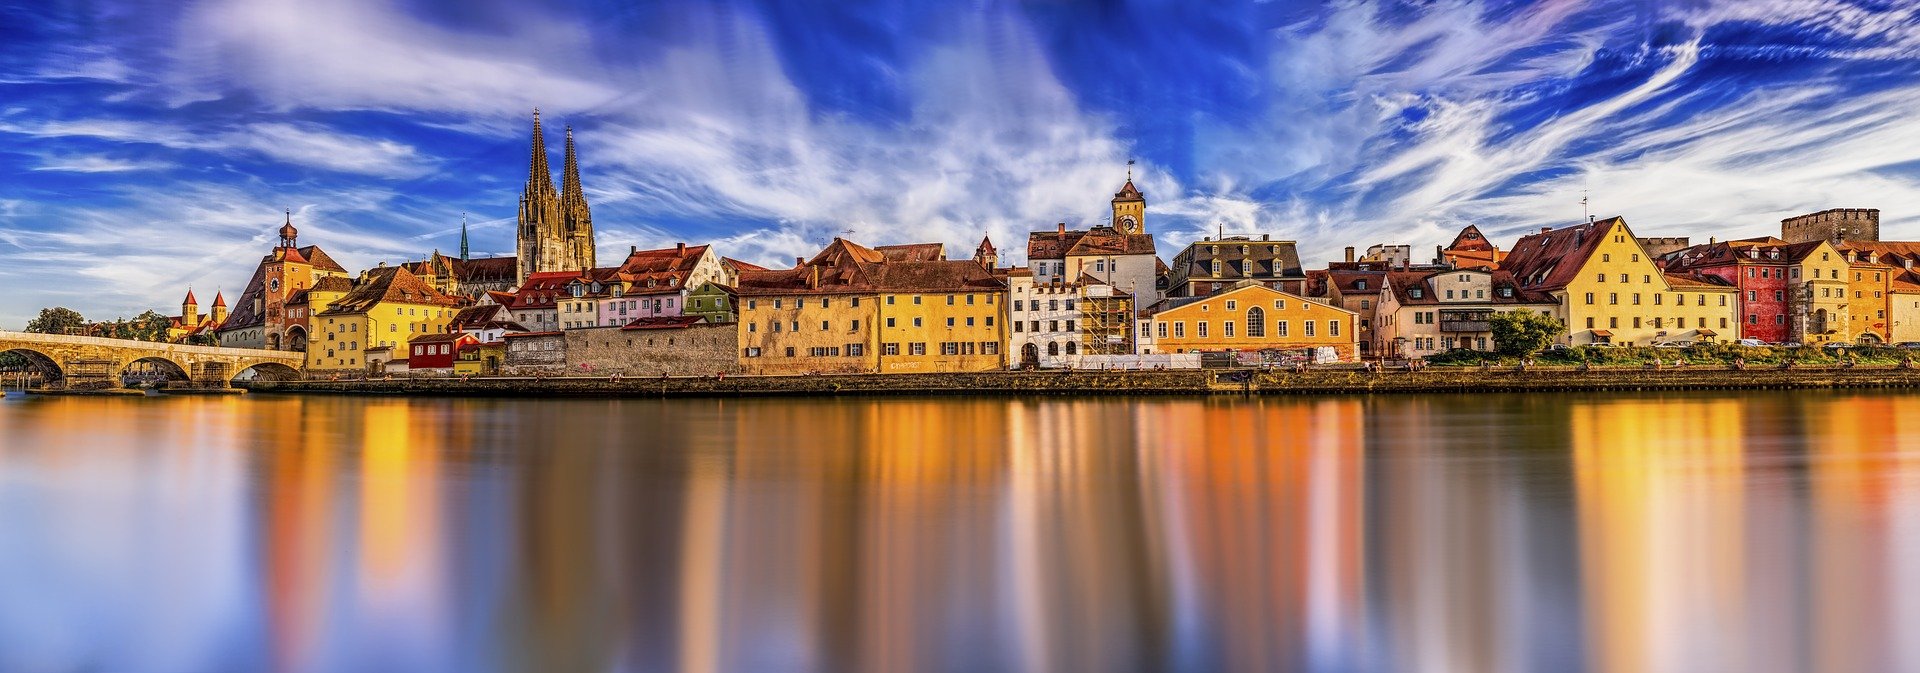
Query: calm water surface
1709	532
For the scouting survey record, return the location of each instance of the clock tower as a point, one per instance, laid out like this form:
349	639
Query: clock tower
1130	208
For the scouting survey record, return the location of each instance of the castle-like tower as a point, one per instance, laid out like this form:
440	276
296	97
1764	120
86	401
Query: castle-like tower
556	226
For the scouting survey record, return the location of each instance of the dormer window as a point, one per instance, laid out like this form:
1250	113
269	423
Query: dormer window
1360	285
1415	293
1506	292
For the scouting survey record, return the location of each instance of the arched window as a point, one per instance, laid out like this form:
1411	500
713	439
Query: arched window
1053	348
1073	348
1256	323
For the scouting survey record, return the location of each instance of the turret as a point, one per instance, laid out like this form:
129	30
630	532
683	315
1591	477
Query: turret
189	311
1130	208
219	308
289	236
986	255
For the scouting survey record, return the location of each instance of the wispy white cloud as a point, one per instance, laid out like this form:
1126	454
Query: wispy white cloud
362	54
95	163
294	143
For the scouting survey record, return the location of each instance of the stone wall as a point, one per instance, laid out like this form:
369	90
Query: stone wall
1837	224
536	354
701	349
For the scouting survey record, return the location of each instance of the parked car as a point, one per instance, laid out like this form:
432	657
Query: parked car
1837	346
1790	344
1750	342
1601	345
1907	344
1558	348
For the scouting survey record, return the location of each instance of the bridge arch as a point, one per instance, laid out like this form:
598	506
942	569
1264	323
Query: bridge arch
157	367
266	371
40	362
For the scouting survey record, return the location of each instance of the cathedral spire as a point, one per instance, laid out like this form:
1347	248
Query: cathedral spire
570	192
463	237
539	174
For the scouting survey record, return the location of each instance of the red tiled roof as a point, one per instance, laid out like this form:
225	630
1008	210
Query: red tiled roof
741	266
389	284
1470	238
1549	260
913	252
846	267
319	259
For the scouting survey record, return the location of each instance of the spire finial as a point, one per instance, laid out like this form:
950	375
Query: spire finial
1129	170
463	236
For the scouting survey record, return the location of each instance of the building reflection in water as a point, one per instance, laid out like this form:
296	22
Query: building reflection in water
1488	533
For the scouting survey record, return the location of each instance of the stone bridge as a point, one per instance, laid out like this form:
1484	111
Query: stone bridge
65	361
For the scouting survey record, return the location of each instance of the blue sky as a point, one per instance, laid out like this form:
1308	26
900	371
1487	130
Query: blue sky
146	147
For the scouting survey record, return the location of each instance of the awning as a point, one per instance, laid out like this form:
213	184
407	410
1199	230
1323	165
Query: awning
1603	333
1706	332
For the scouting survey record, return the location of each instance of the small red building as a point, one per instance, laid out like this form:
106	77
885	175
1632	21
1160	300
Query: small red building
436	352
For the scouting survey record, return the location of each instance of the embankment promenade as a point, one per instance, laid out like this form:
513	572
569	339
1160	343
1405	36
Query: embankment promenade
1183	382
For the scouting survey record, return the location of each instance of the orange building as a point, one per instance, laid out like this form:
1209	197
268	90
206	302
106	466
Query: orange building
1253	317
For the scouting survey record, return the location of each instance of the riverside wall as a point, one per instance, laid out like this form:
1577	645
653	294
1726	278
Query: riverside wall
1185	382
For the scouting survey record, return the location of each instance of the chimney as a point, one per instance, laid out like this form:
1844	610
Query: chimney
1349	253
680	248
1439	254
632	249
1712	240
815	281
799	262
1545	229
1062	233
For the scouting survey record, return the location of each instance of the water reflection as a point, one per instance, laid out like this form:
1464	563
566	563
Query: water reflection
1754	532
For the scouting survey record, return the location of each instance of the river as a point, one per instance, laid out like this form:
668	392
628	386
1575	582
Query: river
1680	532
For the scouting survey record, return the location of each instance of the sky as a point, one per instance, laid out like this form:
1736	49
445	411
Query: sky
149	147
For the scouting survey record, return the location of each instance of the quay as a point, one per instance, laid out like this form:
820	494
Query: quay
1344	381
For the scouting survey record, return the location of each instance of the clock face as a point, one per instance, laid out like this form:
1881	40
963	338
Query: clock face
1128	221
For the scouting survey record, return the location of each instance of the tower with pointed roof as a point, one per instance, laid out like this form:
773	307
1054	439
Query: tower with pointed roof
1130	208
190	311
219	309
261	316
986	255
555	225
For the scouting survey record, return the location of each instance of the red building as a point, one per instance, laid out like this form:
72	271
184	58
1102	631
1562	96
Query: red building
1758	266
437	351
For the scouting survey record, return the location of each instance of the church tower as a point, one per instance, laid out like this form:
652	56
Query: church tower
1130	208
542	242
574	212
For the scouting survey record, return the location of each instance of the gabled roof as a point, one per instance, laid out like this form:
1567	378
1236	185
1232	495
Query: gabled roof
913	252
847	267
541	289
1401	282
1470	238
319	259
1052	244
740	266
1128	192
389	284
1111	241
1549	260
244	315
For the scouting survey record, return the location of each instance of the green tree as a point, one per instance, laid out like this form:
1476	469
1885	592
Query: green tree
150	326
13	360
1524	332
56	320
203	339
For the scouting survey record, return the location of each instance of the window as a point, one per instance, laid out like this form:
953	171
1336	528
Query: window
789	351
1600	277
949	322
890	349
1017	325
1279	304
1606	258
1309	326
1227	329
1232	305
1333	328
1201	329
969	321
917	348
1613	298
949	348
1017	305
1179	330
949	300
1280	329
1256	323
916	322
1070	326
1589	297
916	300
1162	330
856	326
1656	299
1589	322
1624	278
825	327
889	321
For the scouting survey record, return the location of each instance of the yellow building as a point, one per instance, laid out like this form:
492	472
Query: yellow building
1818	284
853	309
1253	317
1608	290
385	310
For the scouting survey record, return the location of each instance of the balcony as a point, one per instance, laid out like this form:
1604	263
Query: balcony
1466	321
